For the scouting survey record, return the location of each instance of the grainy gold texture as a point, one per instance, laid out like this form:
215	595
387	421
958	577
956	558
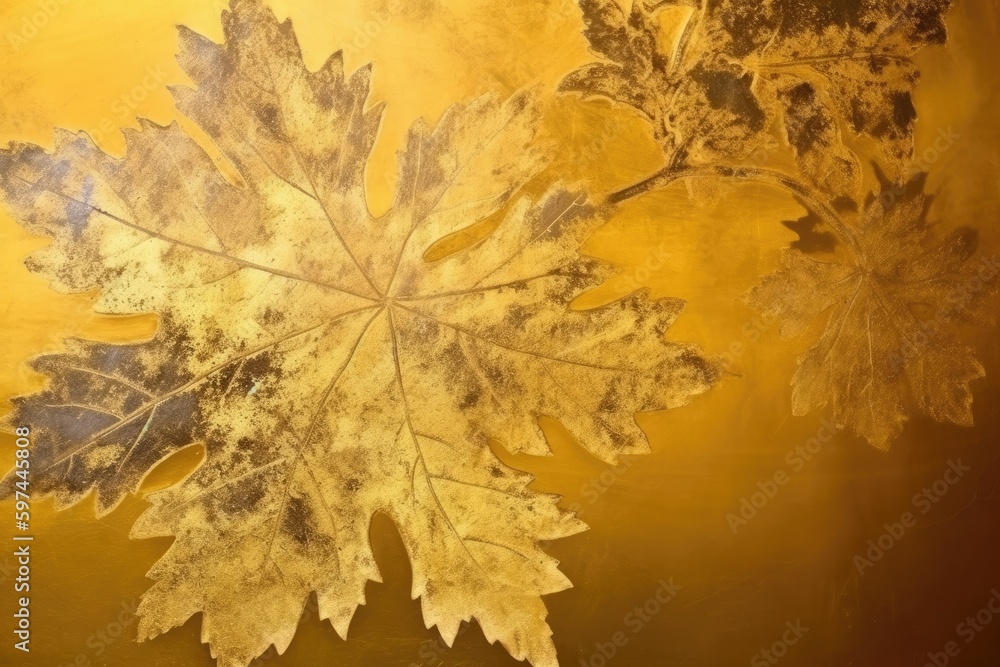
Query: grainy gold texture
383	339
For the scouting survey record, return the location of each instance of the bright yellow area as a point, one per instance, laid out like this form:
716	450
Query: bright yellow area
94	65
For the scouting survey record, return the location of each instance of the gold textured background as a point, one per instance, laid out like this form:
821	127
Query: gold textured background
95	64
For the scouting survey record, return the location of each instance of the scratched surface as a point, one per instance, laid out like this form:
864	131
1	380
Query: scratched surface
94	66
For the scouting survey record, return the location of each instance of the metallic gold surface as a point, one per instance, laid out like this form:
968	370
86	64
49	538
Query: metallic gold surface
94	66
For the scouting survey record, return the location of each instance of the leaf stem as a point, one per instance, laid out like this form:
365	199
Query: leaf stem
806	195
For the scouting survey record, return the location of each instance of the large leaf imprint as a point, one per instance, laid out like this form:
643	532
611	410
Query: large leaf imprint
330	371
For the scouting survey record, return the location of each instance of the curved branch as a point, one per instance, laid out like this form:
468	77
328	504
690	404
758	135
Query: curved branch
809	198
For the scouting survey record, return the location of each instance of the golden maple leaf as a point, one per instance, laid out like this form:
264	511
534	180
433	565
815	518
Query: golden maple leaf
890	296
713	77
329	369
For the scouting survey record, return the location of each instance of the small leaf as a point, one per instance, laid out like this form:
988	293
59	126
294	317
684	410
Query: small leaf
887	302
